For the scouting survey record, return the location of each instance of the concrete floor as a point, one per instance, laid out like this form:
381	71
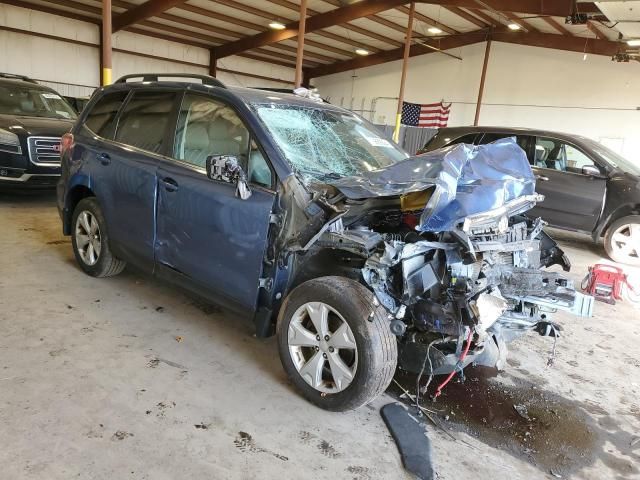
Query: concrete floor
130	378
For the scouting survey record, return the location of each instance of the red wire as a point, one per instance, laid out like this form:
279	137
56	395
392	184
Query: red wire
460	360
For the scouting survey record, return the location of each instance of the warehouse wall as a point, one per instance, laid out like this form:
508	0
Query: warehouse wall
74	69
525	87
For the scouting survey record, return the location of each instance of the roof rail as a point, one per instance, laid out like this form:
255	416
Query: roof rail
154	77
13	76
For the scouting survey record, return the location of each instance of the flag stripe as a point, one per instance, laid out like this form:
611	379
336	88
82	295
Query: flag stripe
433	115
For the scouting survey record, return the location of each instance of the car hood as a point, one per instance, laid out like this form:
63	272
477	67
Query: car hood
22	125
466	181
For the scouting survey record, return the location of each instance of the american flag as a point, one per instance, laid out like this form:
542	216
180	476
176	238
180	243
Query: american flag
433	115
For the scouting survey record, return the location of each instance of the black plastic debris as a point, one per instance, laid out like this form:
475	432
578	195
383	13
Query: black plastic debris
411	438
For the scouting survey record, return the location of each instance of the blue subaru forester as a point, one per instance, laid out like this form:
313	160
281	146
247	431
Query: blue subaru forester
305	217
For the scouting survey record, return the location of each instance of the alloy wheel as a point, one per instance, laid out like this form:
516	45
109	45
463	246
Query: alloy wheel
88	238
322	347
625	241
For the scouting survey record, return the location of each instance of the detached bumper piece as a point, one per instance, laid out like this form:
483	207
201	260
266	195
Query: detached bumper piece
411	438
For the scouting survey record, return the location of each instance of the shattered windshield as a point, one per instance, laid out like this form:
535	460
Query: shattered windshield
325	144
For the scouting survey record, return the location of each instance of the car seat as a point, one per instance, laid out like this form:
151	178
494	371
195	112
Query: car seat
197	146
220	138
541	156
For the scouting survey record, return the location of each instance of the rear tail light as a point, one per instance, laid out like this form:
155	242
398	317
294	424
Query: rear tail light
66	144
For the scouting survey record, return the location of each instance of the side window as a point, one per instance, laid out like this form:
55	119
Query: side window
144	121
521	140
258	169
576	159
101	119
469	138
557	155
207	127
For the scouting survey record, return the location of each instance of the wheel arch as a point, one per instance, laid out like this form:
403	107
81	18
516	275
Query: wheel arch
326	262
619	212
315	263
75	194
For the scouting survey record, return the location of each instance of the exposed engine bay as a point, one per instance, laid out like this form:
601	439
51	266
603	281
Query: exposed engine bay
485	283
444	243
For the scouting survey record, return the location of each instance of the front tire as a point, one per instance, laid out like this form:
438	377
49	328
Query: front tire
622	240
335	343
90	241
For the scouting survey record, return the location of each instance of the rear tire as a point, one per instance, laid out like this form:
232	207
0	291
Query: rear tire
90	240
360	352
622	240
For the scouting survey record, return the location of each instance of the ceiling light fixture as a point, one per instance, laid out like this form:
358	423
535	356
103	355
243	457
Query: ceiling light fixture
362	51
277	26
634	43
514	26
434	30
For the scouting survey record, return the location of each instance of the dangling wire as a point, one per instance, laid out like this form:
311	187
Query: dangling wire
458	365
423	390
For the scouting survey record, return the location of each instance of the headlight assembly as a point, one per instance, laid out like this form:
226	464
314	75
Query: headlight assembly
9	142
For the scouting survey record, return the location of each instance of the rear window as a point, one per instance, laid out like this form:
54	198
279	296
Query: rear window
101	119
145	119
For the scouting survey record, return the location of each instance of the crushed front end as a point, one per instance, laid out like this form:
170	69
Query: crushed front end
448	251
484	282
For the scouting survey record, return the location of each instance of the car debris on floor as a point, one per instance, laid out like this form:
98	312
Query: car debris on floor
412	440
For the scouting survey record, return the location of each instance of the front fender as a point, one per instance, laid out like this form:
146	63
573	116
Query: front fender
610	216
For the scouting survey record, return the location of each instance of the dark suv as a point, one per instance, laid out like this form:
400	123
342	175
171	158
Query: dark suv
32	120
282	206
588	188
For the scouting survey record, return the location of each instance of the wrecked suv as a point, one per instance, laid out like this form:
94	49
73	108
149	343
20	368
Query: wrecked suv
302	215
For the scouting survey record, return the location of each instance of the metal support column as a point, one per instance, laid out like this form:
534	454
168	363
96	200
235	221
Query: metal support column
213	63
300	54
482	80
105	58
405	63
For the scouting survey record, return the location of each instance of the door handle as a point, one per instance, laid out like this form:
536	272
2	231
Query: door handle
170	185
542	178
104	158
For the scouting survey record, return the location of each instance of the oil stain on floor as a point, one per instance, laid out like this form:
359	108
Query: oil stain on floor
557	435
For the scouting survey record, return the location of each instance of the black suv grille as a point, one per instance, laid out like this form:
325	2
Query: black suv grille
44	150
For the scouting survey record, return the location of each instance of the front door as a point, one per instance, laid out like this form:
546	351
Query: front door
205	232
573	199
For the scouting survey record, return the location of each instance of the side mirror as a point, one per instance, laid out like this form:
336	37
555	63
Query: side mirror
591	170
226	168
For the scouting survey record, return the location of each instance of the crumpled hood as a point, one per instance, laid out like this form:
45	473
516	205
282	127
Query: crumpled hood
467	180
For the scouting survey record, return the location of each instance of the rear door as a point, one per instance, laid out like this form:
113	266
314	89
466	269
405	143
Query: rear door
206	234
124	172
573	200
